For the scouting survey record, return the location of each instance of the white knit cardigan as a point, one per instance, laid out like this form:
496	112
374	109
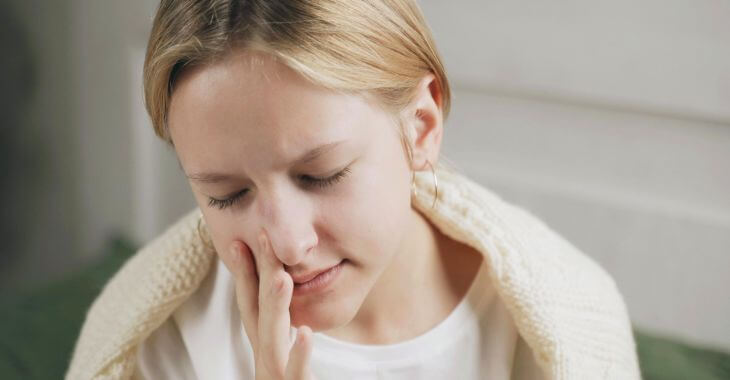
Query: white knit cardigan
565	306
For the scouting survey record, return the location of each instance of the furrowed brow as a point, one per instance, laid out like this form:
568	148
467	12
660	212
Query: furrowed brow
214	177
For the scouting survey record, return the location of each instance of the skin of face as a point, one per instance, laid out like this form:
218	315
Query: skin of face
247	119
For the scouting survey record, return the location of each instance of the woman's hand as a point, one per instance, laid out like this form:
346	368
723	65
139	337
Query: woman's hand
263	303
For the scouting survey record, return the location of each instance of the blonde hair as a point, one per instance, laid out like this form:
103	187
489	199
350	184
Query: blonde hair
378	47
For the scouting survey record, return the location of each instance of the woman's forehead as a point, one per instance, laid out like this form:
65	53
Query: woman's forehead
260	106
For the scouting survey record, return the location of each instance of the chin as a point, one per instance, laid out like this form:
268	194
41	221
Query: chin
322	315
318	320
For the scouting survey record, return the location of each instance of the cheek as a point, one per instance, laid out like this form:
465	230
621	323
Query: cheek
223	227
369	219
219	230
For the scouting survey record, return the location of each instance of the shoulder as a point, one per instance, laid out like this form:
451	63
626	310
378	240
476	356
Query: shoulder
566	306
139	298
474	214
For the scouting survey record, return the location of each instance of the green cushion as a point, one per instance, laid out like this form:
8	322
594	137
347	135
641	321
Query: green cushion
669	359
38	330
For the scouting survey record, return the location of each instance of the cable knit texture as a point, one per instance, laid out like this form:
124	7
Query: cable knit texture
565	306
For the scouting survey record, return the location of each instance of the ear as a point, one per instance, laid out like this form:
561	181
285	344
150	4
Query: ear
423	123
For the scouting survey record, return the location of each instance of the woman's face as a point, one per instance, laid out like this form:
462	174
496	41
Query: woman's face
323	173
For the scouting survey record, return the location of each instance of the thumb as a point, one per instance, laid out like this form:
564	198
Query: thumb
298	366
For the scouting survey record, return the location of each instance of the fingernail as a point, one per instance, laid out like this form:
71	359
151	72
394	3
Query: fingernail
302	334
277	285
234	253
262	241
303	331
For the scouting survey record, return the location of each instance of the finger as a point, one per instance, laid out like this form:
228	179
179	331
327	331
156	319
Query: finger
274	321
275	292
277	296
247	285
267	265
266	258
298	366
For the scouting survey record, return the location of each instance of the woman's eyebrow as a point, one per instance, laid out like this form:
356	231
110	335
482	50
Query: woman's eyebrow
316	152
310	155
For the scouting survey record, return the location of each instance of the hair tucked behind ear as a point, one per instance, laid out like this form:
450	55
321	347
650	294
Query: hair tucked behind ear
379	47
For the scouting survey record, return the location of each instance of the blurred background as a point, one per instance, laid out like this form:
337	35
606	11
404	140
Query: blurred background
609	120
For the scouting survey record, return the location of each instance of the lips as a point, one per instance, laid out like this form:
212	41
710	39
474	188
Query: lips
303	278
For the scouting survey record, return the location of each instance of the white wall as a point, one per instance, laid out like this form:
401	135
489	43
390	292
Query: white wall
119	155
611	121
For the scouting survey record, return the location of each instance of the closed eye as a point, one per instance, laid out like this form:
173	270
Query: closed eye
307	181
327	181
224	203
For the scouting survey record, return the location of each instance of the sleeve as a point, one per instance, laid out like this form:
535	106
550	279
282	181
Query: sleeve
163	356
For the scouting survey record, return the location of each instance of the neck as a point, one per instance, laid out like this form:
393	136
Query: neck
427	278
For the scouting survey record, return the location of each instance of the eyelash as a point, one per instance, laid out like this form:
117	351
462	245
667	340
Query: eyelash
309	181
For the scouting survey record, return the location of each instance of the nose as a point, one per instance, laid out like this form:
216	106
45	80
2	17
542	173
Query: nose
287	218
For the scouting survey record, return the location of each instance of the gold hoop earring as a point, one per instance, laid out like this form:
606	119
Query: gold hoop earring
206	242
435	183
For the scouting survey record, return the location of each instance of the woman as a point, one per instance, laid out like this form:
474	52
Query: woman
328	243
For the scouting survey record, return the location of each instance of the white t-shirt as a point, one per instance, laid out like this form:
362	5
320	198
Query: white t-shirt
205	339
